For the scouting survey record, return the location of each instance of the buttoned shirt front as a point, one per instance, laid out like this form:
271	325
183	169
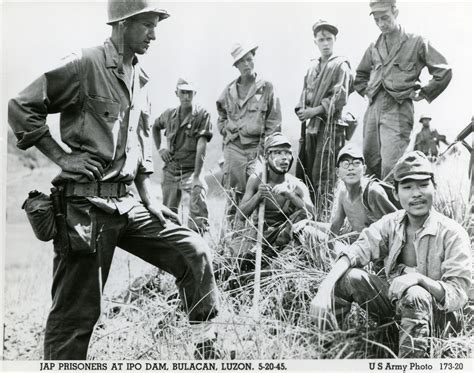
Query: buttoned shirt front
397	68
248	120
182	135
442	248
101	113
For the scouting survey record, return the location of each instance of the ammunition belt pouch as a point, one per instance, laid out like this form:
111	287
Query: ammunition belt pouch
95	189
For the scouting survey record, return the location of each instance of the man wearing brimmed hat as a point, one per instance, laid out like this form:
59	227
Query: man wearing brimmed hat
326	88
427	140
101	95
427	266
248	111
389	76
188	129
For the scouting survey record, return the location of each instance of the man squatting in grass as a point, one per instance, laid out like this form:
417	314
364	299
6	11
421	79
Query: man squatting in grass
101	96
188	130
286	199
388	75
427	262
349	202
248	111
326	88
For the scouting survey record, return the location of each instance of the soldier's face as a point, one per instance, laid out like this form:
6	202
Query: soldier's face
386	21
246	64
350	170
280	158
140	31
426	122
185	97
324	40
416	196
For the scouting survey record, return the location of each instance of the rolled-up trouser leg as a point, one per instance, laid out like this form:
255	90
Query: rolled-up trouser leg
416	311
76	294
178	251
396	124
368	290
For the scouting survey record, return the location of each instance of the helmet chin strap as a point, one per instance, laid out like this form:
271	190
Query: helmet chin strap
121	28
272	166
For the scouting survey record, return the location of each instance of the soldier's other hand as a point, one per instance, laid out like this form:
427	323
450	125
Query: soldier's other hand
321	310
162	212
401	284
265	191
197	181
285	189
82	163
170	214
165	155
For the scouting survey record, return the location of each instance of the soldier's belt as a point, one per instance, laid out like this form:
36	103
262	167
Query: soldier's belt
95	189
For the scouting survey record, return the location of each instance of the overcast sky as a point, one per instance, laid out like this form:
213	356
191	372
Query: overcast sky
196	41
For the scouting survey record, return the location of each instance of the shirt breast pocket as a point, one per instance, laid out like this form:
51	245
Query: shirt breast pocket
404	74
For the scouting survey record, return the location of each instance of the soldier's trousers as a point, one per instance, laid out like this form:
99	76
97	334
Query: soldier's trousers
239	163
419	318
76	286
173	186
387	128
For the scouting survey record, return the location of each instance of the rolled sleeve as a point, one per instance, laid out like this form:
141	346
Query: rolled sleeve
456	271
439	69
55	91
204	127
362	77
371	244
222	112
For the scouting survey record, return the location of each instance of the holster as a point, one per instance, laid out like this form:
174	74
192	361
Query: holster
61	240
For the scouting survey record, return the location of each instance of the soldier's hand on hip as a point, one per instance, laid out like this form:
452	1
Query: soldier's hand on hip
82	163
415	96
165	155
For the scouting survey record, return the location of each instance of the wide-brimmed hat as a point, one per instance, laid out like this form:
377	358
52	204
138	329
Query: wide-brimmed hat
381	5
413	165
238	51
352	151
322	24
184	84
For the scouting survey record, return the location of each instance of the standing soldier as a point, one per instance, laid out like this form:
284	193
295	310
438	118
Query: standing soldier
101	95
427	140
248	111
326	88
188	130
388	75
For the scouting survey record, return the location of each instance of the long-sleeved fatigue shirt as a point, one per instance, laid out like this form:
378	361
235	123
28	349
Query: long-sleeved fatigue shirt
427	141
250	119
398	70
101	113
182	138
442	248
326	84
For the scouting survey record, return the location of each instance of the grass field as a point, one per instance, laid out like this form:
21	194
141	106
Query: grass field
141	316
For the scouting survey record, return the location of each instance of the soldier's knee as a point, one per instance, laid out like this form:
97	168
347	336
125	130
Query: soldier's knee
356	276
416	298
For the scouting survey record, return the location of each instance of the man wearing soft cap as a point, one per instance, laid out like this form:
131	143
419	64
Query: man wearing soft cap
427	266
248	112
388	76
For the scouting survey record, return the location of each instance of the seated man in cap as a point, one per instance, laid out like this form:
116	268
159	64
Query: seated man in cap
286	197
188	130
326	88
427	140
427	259
248	111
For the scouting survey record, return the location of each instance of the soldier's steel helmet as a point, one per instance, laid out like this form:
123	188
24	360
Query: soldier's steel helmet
118	10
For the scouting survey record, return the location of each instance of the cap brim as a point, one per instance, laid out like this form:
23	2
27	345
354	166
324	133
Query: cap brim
355	156
332	29
415	177
383	8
